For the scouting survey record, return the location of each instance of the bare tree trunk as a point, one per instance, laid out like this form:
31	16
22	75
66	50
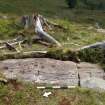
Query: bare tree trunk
42	34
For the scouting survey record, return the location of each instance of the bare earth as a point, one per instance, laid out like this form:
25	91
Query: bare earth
45	70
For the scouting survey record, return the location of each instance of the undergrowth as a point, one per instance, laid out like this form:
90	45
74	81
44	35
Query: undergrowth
93	55
8	28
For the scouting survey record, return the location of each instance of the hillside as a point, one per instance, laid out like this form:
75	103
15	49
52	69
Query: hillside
81	26
20	94
55	8
29	6
77	27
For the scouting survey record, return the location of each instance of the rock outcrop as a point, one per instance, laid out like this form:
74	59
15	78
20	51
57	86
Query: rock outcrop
50	71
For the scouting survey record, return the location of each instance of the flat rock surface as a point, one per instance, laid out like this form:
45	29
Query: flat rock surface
45	70
87	70
95	83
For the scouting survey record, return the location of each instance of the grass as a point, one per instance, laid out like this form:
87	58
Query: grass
78	22
80	31
73	37
76	34
29	6
55	9
80	25
8	28
27	94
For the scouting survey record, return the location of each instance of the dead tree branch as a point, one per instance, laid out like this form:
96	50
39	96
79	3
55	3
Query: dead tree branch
11	44
42	34
96	45
50	24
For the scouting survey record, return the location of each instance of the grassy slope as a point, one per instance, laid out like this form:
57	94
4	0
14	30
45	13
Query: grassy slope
77	22
29	6
76	35
55	8
27	94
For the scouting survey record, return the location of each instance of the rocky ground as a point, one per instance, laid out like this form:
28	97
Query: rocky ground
50	71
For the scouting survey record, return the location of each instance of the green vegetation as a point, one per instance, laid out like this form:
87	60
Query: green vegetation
55	53
63	54
92	4
8	28
80	30
21	7
80	25
74	36
71	3
54	9
77	34
16	93
95	55
87	4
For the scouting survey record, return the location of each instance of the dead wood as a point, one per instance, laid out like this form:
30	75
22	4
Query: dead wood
50	24
95	45
20	55
42	34
10	47
11	44
43	43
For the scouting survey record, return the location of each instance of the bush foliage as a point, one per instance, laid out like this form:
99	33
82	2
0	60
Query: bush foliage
71	3
89	4
8	28
96	55
94	4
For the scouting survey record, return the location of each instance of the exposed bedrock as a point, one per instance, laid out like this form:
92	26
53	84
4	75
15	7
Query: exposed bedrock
50	71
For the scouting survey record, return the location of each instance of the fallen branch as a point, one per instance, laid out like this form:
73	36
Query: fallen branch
22	55
30	52
71	44
38	40
10	47
10	41
11	44
98	44
44	43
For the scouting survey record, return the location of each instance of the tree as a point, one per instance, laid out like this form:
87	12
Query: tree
71	3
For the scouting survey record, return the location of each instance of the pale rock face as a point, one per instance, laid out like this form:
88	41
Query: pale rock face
55	72
95	83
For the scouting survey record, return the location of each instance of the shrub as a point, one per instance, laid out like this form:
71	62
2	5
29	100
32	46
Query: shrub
71	3
96	55
89	4
8	28
93	4
63	54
